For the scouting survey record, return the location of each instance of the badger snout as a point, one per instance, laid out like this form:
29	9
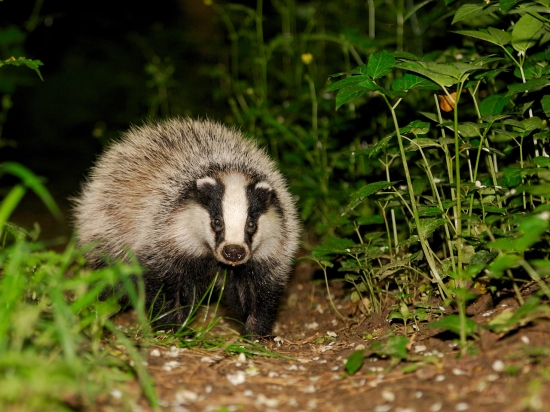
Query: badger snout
234	253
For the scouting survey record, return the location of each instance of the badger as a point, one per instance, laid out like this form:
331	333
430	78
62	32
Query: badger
193	201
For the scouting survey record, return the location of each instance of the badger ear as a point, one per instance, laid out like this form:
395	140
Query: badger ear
264	192
264	185
201	183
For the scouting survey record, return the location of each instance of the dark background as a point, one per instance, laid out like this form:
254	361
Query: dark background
99	68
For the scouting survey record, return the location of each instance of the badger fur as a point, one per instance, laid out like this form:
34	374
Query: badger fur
192	199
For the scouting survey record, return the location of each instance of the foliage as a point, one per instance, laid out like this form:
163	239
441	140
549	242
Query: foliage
447	187
53	345
480	209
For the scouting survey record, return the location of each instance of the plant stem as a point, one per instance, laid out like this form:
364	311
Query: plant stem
425	247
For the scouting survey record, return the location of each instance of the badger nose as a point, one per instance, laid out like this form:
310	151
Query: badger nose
234	253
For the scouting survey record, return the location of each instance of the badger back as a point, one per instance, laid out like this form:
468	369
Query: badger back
185	188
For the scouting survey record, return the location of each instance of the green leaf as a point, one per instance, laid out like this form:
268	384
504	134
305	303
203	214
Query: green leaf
333	245
347	82
428	211
417	127
506	5
531	229
512	177
348	94
411	81
365	192
531	124
22	61
443	75
538	190
532	309
542	161
362	69
501	36
545	102
501	264
452	323
428	226
421	143
34	183
483	257
355	361
370	220
380	64
468	129
493	104
370	85
395	347
529	86
468	11
526	32
481	35
9	203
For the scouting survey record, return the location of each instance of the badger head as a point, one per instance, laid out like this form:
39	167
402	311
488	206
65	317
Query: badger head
230	216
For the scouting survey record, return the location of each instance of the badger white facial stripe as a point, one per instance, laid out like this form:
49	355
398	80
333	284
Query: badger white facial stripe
234	207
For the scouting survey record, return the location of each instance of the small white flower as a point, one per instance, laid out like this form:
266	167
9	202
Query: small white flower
185	396
312	325
498	366
115	393
236	378
419	348
264	400
436	407
388	396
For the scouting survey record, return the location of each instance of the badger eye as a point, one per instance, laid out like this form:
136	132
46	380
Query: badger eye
251	226
217	224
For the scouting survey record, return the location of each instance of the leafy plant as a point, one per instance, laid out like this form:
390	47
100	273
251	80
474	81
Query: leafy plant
472	191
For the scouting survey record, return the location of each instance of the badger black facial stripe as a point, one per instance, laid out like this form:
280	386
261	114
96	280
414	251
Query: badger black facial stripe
260	197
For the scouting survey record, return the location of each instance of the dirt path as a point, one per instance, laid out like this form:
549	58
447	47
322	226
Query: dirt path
508	373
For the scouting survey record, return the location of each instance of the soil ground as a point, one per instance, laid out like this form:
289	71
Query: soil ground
506	373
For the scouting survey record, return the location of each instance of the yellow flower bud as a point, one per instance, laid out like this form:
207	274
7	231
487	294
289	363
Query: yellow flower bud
307	58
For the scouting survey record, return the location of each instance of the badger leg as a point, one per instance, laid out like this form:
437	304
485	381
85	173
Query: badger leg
254	298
